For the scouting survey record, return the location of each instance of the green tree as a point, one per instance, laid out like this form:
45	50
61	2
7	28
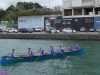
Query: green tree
57	10
2	13
37	5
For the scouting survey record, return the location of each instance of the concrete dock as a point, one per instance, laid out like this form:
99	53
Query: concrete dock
54	36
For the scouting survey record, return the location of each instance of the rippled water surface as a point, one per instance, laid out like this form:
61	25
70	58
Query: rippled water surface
86	64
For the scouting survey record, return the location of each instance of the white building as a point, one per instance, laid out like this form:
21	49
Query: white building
80	8
3	27
30	21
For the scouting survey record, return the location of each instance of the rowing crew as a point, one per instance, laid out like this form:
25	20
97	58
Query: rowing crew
51	51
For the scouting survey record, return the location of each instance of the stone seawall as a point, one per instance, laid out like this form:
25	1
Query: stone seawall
52	36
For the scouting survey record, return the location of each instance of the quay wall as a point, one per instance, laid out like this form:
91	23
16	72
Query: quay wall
52	36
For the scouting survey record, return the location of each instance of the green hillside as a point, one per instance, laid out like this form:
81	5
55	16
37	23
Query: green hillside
26	9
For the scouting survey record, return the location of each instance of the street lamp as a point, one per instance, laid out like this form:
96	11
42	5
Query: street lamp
35	9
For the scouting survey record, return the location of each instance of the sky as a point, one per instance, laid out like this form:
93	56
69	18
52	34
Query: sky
4	4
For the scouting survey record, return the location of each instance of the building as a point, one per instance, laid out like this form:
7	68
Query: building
79	13
43	21
30	21
54	21
80	7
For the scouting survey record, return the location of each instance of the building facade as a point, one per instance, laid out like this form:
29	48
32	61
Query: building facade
80	8
54	21
81	13
30	21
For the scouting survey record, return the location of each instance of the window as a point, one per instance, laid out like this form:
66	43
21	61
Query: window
21	20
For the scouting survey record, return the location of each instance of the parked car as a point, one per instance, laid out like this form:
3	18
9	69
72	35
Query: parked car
61	29
38	29
11	30
54	31
1	30
82	29
98	29
91	29
30	30
68	30
25	30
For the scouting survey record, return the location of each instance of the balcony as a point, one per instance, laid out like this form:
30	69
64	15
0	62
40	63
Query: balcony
88	3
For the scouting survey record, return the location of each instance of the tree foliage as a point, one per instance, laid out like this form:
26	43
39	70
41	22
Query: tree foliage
26	9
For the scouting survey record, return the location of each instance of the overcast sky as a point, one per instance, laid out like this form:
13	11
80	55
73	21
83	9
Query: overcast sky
4	4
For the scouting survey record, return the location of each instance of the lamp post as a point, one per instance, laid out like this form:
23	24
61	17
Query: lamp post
35	9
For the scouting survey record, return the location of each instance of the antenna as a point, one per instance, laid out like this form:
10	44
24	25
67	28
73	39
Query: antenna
49	4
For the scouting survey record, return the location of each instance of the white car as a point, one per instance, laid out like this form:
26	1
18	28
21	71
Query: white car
68	30
98	29
11	30
38	29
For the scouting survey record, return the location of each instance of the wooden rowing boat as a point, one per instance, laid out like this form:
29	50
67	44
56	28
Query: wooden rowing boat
9	59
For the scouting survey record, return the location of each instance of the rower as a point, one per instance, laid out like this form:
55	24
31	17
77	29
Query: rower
30	52
51	50
13	53
77	47
62	50
41	51
70	48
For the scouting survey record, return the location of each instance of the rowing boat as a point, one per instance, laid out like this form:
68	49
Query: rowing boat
9	59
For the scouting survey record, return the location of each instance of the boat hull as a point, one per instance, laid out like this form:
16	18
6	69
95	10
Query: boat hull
6	59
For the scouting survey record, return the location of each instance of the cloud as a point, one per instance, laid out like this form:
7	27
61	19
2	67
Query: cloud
4	4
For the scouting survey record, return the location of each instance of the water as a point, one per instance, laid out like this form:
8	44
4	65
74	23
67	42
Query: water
87	64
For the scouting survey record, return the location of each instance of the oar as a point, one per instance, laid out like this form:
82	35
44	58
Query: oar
87	47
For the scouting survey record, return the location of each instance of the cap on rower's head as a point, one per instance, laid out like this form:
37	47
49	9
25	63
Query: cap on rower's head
13	49
29	48
40	47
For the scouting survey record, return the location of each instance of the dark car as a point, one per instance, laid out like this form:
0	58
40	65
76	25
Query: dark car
29	30
91	29
1	30
25	30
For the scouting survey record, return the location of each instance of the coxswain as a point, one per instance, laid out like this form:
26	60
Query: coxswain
13	53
